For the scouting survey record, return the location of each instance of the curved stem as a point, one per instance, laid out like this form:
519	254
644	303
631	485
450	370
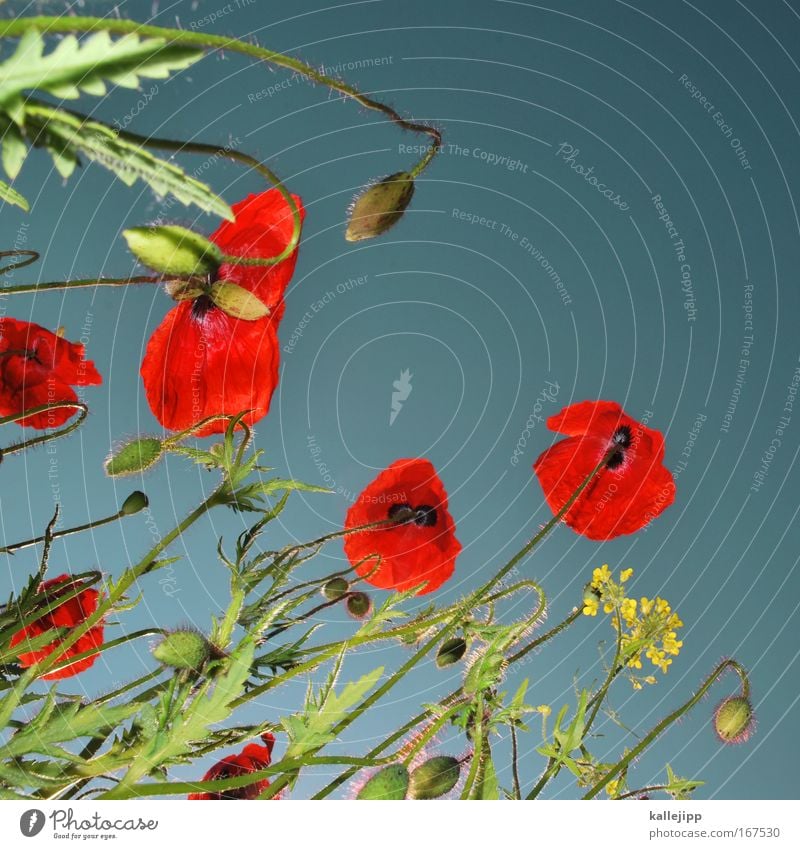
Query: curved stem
207	41
47	437
31	257
58	285
669	720
97	523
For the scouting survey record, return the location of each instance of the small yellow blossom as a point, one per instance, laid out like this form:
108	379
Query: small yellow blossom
612	788
601	576
625	574
590	607
544	710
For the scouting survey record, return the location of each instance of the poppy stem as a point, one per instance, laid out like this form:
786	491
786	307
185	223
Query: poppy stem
665	723
206	41
31	257
58	285
47	437
107	520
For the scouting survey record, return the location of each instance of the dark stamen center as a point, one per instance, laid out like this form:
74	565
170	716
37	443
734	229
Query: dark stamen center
423	516
622	437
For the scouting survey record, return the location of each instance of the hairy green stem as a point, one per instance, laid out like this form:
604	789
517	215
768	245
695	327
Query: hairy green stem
665	723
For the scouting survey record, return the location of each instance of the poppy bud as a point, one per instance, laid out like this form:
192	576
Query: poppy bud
237	301
183	650
734	719
334	589
451	651
390	783
173	250
359	605
380	207
435	777
134	503
135	456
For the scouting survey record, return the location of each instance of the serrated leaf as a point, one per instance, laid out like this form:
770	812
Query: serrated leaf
312	730
81	66
57	723
12	196
67	135
14	150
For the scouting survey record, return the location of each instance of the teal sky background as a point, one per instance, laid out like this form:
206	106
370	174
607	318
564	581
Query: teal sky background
464	293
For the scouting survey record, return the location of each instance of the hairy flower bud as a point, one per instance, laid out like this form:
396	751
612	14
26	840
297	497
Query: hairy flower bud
380	206
134	456
183	650
451	651
173	250
134	503
359	605
734	719
237	301
390	783
434	778
334	589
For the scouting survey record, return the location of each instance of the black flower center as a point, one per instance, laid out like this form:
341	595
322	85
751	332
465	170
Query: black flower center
621	439
200	306
423	516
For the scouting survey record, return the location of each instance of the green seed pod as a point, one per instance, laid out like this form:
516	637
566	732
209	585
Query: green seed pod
435	777
183	650
359	605
451	651
173	250
135	456
134	503
334	589
380	207
389	783
237	301
734	720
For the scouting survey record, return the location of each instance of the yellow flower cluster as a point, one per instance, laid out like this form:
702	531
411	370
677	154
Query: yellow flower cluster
649	626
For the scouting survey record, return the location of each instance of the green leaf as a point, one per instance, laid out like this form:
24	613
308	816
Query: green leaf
488	788
14	150
312	729
85	66
12	196
58	723
69	136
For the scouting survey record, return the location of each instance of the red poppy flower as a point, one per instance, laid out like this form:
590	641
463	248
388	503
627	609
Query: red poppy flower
73	612
251	759
38	367
263	227
628	493
421	543
200	361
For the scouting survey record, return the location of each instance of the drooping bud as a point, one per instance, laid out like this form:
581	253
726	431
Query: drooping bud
434	778
134	503
734	720
380	206
451	651
237	301
174	250
334	589
183	650
389	783
359	605
134	456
